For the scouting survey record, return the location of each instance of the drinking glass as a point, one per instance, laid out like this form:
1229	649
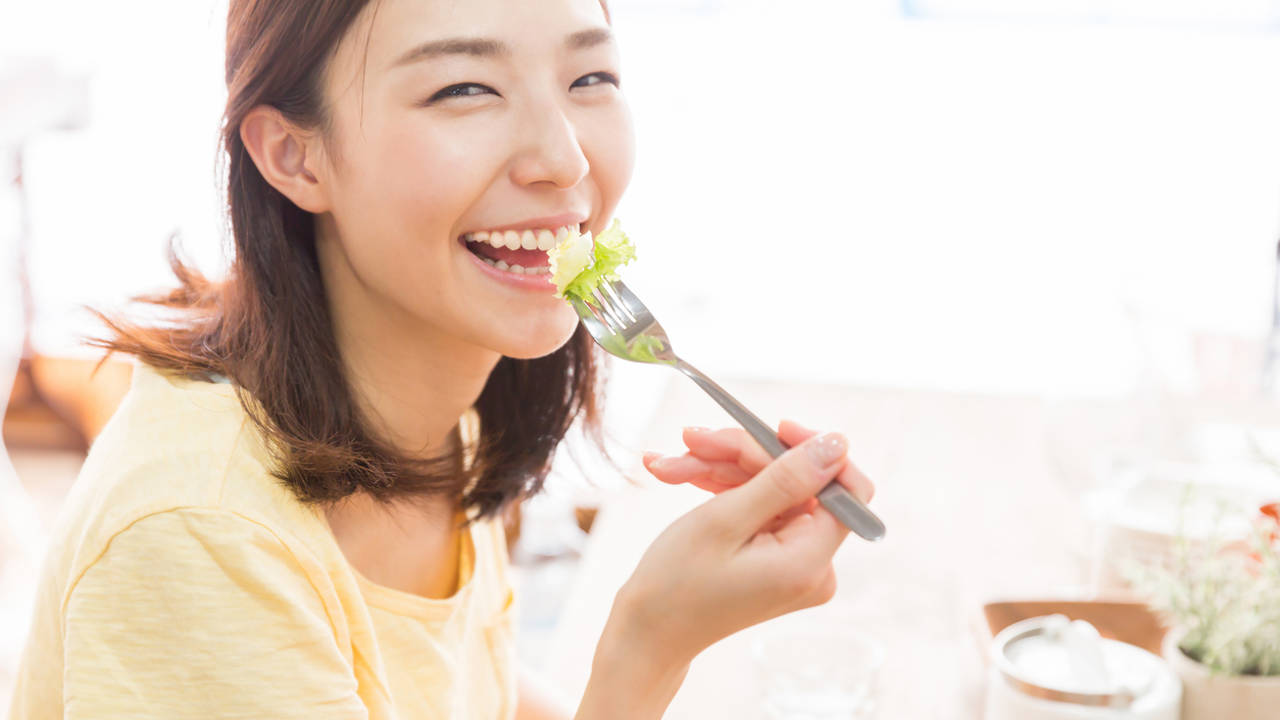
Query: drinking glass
811	668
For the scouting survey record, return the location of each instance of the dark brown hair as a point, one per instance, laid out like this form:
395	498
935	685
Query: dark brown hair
266	326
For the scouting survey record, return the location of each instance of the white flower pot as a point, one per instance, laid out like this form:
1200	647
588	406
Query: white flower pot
1208	696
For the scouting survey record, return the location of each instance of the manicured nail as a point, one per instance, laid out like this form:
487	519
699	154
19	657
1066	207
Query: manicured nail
660	463
827	449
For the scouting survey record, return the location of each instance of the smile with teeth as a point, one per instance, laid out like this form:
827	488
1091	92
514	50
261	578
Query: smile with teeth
507	250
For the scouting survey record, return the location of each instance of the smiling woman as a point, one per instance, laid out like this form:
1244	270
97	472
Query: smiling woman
352	328
294	512
402	174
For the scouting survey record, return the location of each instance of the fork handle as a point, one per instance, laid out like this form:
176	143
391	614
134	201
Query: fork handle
836	498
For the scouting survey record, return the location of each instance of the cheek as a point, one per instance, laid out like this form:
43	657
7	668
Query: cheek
612	155
430	178
401	192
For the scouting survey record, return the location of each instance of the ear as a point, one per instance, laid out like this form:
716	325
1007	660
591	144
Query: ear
286	156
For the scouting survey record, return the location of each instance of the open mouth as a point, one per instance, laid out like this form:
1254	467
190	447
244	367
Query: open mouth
523	252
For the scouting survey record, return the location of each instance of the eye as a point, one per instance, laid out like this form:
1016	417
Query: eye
461	90
602	77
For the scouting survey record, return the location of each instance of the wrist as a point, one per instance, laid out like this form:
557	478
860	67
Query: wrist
631	676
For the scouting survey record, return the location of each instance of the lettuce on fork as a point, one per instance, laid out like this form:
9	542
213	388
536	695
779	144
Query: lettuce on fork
580	263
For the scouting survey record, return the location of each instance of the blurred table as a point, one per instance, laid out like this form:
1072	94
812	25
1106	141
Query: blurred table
981	498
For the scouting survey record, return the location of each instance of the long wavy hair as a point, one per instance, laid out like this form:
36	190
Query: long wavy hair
266	325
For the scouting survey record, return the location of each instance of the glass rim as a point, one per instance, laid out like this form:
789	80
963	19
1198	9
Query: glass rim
874	650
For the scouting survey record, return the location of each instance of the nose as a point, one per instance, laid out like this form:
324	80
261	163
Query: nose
552	152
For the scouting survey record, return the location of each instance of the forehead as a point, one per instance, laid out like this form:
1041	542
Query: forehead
387	29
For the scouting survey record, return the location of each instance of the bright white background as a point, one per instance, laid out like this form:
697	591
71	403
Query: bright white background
857	191
1001	196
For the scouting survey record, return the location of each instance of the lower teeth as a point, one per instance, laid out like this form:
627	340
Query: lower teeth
517	269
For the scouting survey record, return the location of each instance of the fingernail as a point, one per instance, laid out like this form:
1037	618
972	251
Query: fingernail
697	429
827	449
659	463
649	456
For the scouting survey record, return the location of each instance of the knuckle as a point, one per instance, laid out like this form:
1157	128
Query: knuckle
753	459
734	438
785	487
790	477
724	475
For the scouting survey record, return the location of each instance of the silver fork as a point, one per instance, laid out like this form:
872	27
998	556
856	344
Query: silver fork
624	327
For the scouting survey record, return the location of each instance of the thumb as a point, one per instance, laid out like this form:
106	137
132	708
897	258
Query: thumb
795	476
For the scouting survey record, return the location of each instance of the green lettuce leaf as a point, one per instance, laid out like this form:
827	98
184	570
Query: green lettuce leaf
568	259
644	347
610	251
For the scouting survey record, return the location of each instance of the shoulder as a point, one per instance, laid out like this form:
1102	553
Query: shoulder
206	594
181	460
173	440
206	556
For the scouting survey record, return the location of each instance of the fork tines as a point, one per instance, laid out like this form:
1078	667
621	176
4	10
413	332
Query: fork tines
616	313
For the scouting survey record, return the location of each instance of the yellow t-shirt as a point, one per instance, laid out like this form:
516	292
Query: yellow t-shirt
183	581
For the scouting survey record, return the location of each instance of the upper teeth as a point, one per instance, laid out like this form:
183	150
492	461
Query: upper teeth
543	239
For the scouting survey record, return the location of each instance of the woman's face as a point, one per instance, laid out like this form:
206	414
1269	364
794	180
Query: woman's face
518	123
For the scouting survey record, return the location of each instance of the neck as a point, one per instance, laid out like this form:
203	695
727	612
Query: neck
411	381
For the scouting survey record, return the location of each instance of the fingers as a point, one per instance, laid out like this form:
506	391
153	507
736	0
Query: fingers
782	519
720	459
713	477
735	445
793	433
818	535
798	558
858	483
793	478
732	445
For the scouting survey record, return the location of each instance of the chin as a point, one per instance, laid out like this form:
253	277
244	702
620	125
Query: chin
540	338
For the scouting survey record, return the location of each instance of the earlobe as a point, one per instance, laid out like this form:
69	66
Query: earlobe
279	150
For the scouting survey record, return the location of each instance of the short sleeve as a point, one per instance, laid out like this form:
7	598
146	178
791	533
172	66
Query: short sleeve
201	613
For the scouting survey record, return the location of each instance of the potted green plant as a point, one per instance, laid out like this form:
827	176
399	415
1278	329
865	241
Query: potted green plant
1222	601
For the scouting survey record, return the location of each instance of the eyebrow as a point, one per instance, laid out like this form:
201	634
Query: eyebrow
485	47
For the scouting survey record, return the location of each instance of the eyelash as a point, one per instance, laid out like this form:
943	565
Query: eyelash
448	92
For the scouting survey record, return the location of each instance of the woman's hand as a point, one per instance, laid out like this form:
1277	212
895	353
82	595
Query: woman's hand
719	460
759	549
